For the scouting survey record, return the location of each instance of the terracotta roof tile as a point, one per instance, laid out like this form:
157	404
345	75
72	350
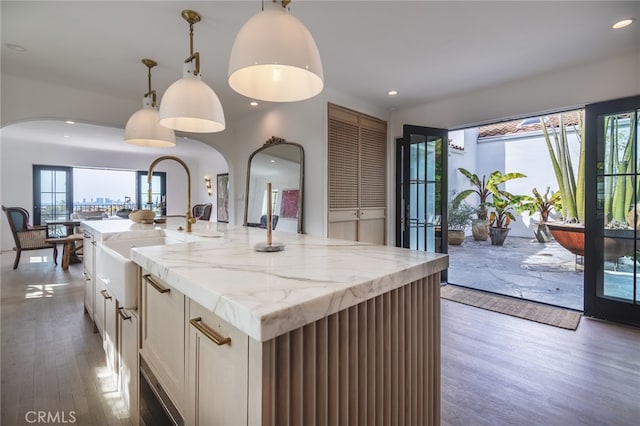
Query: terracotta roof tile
516	126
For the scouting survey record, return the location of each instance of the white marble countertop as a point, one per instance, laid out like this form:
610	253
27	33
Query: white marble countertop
268	294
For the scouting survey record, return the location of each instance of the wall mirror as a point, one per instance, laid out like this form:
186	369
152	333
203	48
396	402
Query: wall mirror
282	164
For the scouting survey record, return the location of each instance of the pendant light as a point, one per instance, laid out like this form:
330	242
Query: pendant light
274	58
190	104
142	127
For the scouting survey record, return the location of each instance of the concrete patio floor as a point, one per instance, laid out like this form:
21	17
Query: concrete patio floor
522	267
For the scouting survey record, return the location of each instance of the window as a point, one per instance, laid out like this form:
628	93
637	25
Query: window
158	191
60	191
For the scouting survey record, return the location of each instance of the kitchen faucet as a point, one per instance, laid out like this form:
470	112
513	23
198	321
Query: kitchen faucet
190	218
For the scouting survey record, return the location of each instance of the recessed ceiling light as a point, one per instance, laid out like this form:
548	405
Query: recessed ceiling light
15	47
70	122
623	23
392	92
253	103
66	137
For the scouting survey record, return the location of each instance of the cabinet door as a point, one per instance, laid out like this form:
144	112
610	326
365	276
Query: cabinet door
89	267
218	370
99	306
357	164
163	336
110	334
128	370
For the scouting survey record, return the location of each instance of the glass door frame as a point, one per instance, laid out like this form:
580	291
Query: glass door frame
403	191
595	302
37	190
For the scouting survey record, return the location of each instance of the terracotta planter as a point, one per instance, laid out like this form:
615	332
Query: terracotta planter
498	235
569	236
480	229
455	237
617	242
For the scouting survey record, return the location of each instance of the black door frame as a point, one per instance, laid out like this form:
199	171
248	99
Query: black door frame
594	305
402	191
37	190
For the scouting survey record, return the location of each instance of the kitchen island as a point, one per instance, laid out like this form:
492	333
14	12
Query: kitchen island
324	332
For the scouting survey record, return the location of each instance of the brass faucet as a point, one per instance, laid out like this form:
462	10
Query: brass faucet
190	218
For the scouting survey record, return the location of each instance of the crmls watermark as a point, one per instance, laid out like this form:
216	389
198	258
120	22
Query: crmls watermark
50	417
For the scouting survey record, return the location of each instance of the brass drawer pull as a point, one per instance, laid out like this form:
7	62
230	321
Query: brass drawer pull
105	294
158	287
123	314
212	335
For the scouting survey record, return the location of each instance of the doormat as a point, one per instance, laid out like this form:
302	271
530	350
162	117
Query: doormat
557	317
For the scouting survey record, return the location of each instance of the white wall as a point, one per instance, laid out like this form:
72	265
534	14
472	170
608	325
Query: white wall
18	157
305	122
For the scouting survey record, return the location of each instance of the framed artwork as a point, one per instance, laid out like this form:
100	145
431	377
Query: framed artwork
289	204
223	197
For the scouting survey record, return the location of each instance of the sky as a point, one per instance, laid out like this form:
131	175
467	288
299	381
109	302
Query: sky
94	183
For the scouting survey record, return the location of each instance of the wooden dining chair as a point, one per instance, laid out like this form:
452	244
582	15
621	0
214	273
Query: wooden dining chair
25	236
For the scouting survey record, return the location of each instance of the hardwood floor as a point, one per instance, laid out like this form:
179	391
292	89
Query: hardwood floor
496	369
51	359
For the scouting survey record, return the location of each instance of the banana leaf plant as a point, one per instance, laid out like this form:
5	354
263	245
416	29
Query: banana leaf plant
485	188
503	206
542	204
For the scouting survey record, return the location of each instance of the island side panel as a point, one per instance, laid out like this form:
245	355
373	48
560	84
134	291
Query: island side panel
388	369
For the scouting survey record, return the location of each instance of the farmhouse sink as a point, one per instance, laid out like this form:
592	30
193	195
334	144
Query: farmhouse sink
118	272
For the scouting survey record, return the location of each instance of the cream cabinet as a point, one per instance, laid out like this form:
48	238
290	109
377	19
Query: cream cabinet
163	335
105	322
89	250
218	370
128	369
357	176
102	294
110	334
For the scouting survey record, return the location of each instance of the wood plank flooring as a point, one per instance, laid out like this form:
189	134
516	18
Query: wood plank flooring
496	369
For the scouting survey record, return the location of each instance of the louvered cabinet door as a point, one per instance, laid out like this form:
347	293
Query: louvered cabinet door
372	210
343	174
357	176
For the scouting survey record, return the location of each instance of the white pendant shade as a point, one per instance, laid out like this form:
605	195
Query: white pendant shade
190	105
274	58
143	129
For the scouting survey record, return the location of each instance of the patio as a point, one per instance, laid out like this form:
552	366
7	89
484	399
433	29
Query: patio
522	267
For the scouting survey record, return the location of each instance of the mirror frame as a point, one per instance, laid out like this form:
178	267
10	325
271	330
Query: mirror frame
271	142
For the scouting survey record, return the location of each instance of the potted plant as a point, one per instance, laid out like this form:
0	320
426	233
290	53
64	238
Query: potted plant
484	188
503	206
570	232
542	204
459	217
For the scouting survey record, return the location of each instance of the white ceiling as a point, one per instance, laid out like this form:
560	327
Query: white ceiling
424	49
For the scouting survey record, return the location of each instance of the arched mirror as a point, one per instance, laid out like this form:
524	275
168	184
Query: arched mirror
282	164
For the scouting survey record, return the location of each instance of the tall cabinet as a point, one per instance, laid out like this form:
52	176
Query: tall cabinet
357	176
